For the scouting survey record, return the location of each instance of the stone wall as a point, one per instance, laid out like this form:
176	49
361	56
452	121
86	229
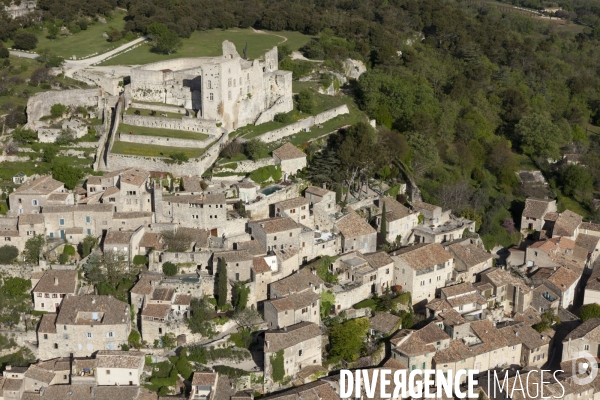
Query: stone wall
260	209
164	141
39	104
109	83
183	124
282	105
157	108
249	165
193	167
303	124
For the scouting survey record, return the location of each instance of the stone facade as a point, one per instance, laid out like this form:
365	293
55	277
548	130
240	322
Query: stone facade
227	89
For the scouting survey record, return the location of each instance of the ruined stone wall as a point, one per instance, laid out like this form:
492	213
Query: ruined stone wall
303	124
39	104
183	124
109	83
249	165
157	108
282	105
195	166
260	209
164	141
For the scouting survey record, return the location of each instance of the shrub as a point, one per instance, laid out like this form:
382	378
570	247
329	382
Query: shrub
284	118
69	250
306	101
179	157
58	110
140	260
255	149
169	269
8	253
25	41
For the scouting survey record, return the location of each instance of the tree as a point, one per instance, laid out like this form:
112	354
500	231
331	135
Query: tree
169	269
588	311
140	260
306	101
50	59
93	269
383	226
16	286
222	283
8	253
539	136
247	318
114	35
63	172
53	31
49	153
347	338
25	41
168	43
179	157
116	267
58	110
39	76
33	249
240	296
201	314
578	182
4	53
255	149
24	136
88	244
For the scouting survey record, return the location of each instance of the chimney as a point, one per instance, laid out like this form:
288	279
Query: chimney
55	281
8	367
324	186
93	300
517	334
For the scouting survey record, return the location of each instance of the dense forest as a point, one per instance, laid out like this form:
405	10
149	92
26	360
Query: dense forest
467	94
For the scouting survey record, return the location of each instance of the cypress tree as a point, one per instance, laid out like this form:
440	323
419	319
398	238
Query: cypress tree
222	283
383	226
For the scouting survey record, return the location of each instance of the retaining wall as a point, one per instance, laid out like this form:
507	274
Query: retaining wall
249	165
303	124
183	124
260	209
282	105
108	83
157	108
165	141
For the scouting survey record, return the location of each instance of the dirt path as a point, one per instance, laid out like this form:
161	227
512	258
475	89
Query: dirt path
269	33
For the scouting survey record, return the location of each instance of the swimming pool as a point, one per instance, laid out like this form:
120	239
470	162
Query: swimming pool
271	189
190	280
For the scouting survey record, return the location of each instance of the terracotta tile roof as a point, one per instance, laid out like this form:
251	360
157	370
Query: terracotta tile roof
563	278
451	317
252	246
153	240
246	185
311	391
135	177
438	304
163	294
536	208
47	323
421	341
378	259
458	290
286	254
590	329
500	277
277	224
280	339
295	301
489	334
12	385
57	281
42	185
215	198
204	379
384	322
74	310
118	237
93	180
419	205
528	336
198	236
297	282
110	192
259	265
88	208
551	216
288	152
119	359
593	282
590	226
421	257
39	374
234	255
469	254
74	231
456	351
132	214
292	203
191	184
28	219
319	191
156	310
58	197
394	209
566	223
143	285
467	299
183	300
353	225
587	242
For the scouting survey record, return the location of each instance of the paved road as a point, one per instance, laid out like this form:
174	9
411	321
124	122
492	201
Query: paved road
70	66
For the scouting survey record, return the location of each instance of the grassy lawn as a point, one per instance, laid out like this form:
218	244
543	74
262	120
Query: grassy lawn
144	112
206	44
83	43
295	40
149	150
569	203
158	132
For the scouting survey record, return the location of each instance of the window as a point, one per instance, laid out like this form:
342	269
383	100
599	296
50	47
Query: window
34	202
88	335
64	327
229	95
56	345
39	295
108	372
586	347
299	352
210	97
209	84
88	219
274	237
422	283
54	296
30	233
110	334
61	221
290	234
229	82
45	336
89	231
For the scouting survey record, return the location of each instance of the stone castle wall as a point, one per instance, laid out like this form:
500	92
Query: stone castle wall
282	105
157	108
249	165
108	83
303	124
164	141
183	124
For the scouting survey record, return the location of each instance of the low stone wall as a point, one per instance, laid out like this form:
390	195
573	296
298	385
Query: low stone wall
13	158
281	106
260	209
165	141
169	109
249	165
303	124
183	124
108	83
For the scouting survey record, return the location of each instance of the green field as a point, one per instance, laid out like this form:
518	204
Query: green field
149	150
208	44
158	132
83	43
